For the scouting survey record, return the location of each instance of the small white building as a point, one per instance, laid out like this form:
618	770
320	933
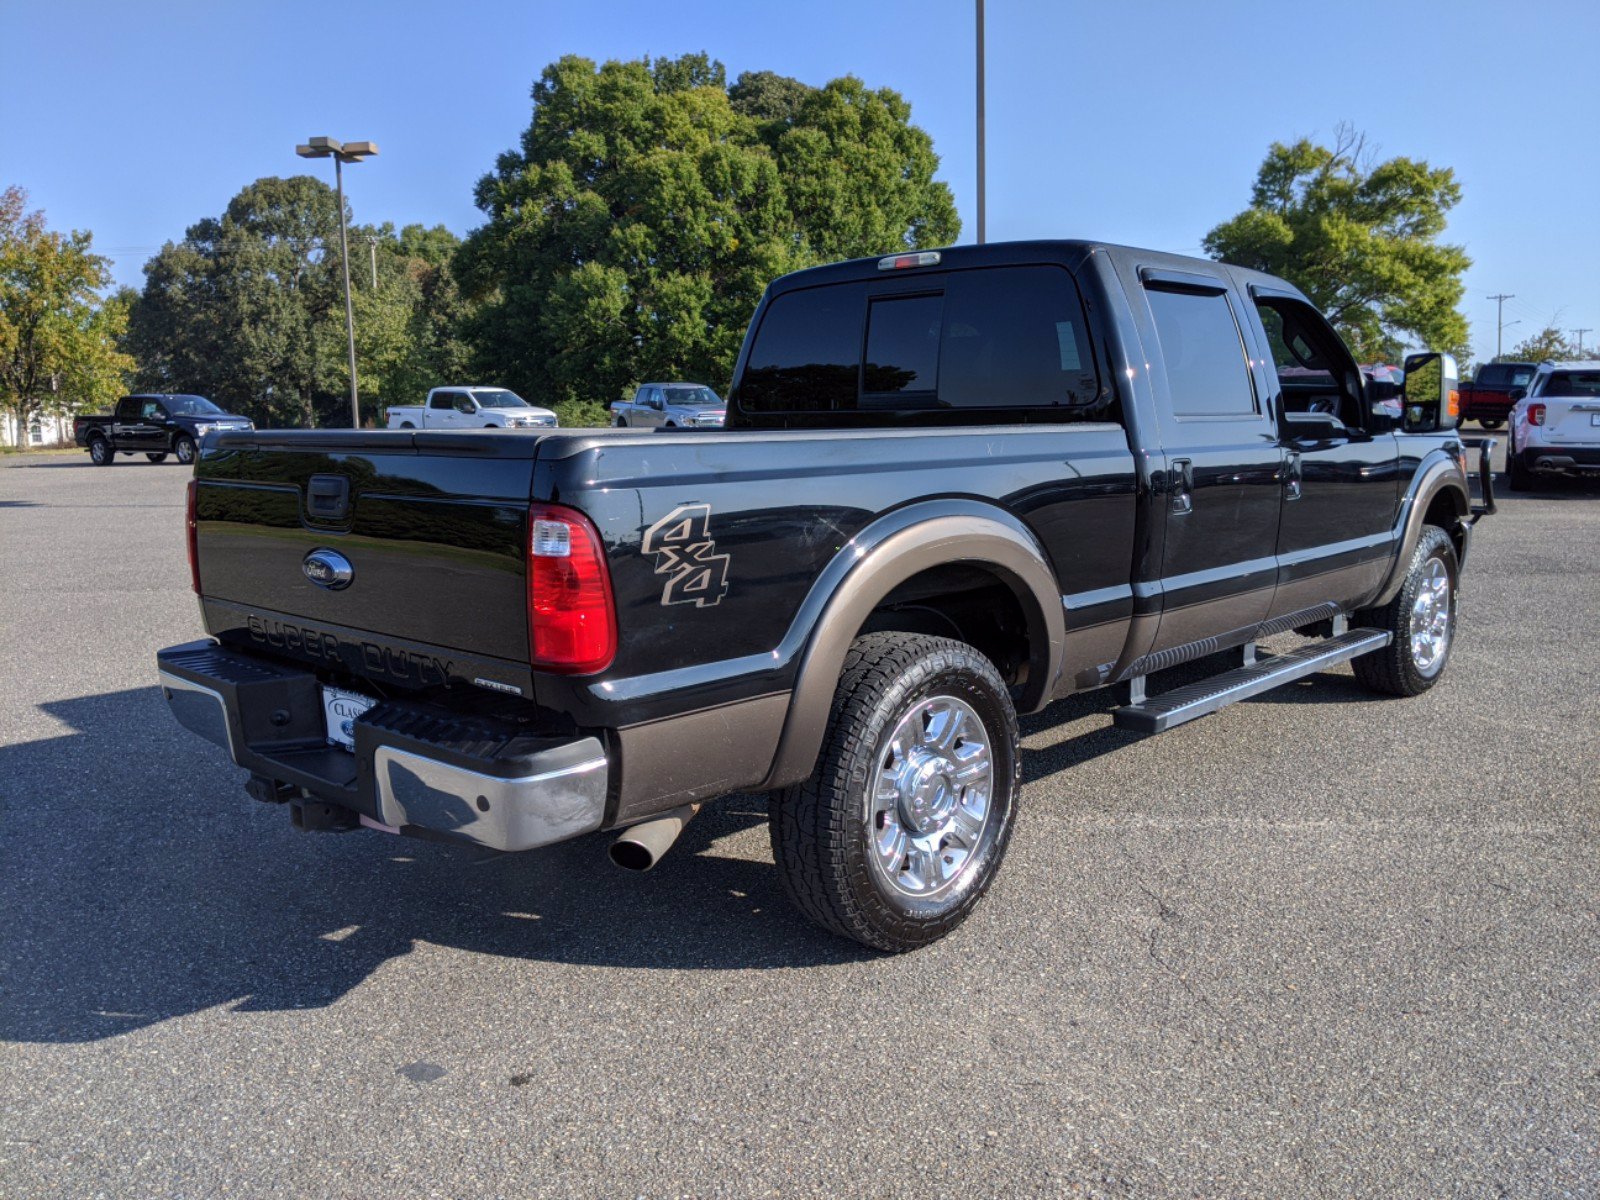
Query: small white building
44	430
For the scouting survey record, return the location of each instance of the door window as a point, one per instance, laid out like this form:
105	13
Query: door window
1316	373
151	411
1208	371
443	400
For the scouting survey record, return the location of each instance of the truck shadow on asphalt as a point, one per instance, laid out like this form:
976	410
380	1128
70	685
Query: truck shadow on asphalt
139	883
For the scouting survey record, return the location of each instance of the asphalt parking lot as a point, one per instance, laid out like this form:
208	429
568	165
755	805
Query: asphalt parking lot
1320	944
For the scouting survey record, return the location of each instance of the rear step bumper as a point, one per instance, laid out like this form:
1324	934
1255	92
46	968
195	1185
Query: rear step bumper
1160	713
415	768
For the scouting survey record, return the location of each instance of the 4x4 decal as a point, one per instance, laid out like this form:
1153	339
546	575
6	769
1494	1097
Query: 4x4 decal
686	554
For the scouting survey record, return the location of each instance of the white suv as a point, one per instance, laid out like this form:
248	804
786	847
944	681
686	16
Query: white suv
1555	427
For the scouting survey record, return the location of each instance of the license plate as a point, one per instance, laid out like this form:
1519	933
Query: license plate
340	709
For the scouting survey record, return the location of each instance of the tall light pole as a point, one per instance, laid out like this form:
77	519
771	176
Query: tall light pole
341	153
982	206
1499	318
1580	333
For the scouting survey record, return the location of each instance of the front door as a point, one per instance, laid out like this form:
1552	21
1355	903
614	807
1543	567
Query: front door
1341	494
1223	464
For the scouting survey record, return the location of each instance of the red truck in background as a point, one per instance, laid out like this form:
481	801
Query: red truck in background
1488	399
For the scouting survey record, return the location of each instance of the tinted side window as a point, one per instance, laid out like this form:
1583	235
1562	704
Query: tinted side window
902	345
1207	369
442	400
806	352
1015	337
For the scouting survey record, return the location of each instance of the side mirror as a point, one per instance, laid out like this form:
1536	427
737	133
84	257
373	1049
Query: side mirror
1432	393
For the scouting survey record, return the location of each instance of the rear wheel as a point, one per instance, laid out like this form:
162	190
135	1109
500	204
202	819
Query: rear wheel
407	425
622	422
1490	422
1421	618
903	825
1518	476
185	449
100	452
157	458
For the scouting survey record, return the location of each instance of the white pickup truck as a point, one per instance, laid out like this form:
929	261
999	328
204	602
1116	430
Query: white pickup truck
471	408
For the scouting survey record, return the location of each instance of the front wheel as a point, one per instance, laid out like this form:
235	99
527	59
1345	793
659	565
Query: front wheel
903	825
100	452
1421	618
185	449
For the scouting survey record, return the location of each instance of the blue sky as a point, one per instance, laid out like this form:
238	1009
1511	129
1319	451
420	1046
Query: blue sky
1134	122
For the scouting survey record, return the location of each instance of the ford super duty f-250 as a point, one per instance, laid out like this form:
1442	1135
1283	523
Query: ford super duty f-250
954	486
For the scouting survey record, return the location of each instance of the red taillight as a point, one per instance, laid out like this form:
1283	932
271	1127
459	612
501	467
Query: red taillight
193	539
572	624
1535	414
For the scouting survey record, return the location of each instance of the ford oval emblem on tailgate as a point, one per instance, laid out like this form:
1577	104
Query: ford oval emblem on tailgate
328	568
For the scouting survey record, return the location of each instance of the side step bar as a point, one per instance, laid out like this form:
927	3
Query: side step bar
1160	713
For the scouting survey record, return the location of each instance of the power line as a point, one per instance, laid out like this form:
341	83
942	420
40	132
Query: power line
1580	333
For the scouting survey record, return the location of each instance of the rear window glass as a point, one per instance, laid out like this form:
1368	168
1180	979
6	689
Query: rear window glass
902	345
1207	371
807	353
1572	383
1004	337
1503	375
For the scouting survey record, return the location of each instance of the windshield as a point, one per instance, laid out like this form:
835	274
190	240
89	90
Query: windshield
692	397
1572	383
1503	375
498	398
190	406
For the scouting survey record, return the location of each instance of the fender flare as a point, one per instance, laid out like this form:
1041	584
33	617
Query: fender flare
889	551
1439	473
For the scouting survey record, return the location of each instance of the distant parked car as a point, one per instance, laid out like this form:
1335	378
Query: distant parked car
155	425
471	407
671	406
1555	426
1488	398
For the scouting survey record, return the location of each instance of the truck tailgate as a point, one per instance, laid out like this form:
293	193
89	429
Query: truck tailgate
433	527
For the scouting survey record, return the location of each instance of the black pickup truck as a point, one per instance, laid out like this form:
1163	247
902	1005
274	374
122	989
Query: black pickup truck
955	485
153	425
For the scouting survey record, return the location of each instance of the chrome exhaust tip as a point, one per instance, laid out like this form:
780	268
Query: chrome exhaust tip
642	846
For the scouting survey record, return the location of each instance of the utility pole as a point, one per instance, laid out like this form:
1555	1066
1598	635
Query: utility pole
1499	318
1580	333
981	198
372	244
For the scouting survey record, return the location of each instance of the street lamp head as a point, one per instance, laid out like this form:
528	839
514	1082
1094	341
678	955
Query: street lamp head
356	151
311	152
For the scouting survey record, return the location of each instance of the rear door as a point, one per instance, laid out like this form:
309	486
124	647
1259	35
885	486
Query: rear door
1223	461
441	412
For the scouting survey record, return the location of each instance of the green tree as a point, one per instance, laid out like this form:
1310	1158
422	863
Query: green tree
632	231
58	336
1360	238
249	309
1548	344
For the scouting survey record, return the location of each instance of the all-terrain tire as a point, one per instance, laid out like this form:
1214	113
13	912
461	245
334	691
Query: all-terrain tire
1411	664
101	453
827	840
185	449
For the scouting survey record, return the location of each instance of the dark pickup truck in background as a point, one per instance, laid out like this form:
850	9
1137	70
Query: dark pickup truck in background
155	425
955	485
1488	398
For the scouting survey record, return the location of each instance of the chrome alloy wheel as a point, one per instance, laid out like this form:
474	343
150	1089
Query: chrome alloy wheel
1431	617
929	805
